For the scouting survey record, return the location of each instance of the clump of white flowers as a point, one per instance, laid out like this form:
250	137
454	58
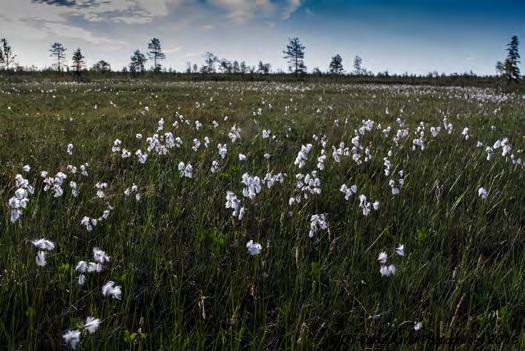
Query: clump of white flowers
235	204
55	184
185	169
465	133
116	146
307	185
72	338
302	155
235	134
141	157
100	186
43	245
389	270
396	187
214	166
110	289
21	199
364	204
133	190
317	223
100	258
223	150
348	191
252	186
89	223
271	179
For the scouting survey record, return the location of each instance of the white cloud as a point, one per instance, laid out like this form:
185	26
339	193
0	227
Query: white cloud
242	10
293	5
67	31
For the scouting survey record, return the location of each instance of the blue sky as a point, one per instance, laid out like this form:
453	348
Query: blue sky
398	36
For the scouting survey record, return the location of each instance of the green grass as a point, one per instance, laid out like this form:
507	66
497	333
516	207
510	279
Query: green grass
187	279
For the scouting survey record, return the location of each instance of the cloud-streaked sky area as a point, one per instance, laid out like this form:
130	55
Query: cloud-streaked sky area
416	36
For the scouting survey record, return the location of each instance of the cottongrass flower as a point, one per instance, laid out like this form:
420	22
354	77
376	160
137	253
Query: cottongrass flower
400	250
382	257
271	179
223	150
214	166
17	203
252	186
254	249
43	244
109	289
83	169
70	149
100	186
41	258
196	144
483	193
302	155
418	326
72	338
26	168
95	267
21	198
116	145
185	169
465	133
395	189
92	324
74	188
100	256
81	267
317	223
235	134
141	157
234	203
89	223
266	133
387	271
365	205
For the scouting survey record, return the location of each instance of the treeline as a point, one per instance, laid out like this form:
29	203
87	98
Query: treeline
215	68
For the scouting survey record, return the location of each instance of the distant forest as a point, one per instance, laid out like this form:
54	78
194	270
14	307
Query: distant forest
507	72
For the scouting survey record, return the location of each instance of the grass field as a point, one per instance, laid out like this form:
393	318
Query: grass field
315	275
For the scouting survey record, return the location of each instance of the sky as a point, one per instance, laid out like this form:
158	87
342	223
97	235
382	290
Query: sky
414	36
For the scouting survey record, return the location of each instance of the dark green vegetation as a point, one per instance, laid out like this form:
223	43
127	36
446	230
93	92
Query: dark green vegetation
187	279
465	80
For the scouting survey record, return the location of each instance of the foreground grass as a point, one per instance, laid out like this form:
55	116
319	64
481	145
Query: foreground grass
187	279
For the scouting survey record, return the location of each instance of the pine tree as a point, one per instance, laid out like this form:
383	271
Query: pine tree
6	54
336	65
510	68
155	53
138	61
358	62
78	61
294	53
58	53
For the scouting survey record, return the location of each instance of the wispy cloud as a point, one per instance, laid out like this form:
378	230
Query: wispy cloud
292	6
